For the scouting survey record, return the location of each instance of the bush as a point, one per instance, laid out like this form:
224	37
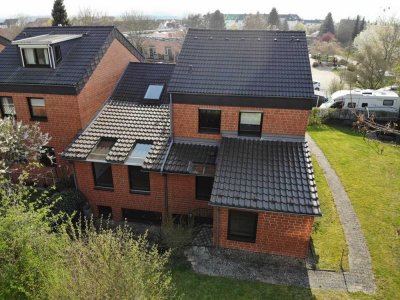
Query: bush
342	62
176	236
351	68
335	85
315	64
68	202
319	116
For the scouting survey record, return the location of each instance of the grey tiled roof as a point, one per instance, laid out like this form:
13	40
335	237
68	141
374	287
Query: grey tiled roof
76	66
256	63
265	175
181	154
128	123
138	76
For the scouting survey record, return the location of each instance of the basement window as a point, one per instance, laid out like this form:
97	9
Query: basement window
154	92
105	212
242	226
142	216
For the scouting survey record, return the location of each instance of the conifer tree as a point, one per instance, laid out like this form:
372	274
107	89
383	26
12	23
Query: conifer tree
327	25
273	19
59	14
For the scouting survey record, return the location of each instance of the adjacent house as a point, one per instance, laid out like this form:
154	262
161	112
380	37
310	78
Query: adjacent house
61	76
218	137
3	42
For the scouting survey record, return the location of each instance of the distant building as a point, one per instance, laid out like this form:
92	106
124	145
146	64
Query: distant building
236	21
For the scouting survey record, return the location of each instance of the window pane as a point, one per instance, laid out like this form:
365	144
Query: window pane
250	118
38	107
102	148
7	106
154	92
105	211
42	56
142	216
102	175
139	180
242	225
138	154
204	187
388	102
29	55
209	120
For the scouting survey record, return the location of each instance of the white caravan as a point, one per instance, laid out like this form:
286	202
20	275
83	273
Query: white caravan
384	100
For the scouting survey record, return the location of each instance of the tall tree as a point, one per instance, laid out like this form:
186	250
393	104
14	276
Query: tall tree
256	21
59	14
344	31
285	25
194	21
362	26
327	25
217	20
356	29
273	19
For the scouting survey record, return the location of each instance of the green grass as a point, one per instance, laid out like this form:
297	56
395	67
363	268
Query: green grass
328	237
372	181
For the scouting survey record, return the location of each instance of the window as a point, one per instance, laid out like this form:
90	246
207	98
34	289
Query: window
48	156
338	104
242	226
103	175
138	154
36	57
139	181
204	185
7	108
154	92
142	216
102	148
351	105
364	105
105	211
250	123
152	52
388	102
37	107
57	53
209	121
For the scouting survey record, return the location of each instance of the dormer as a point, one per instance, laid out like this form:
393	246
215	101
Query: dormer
44	51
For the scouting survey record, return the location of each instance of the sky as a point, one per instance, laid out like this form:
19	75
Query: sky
306	9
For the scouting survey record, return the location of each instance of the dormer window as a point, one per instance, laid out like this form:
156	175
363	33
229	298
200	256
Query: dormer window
43	51
154	92
36	57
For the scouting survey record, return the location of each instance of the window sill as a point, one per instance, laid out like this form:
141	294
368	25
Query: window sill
241	239
104	188
139	192
38	119
209	132
255	135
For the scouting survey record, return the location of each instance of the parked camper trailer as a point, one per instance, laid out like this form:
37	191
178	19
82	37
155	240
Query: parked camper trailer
383	102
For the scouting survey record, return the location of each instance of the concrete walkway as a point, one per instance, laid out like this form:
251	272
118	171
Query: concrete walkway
283	270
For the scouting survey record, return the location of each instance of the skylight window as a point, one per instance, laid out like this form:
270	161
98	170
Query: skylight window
101	150
154	92
138	154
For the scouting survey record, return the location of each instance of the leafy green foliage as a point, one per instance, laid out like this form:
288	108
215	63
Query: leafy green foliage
59	14
335	85
176	236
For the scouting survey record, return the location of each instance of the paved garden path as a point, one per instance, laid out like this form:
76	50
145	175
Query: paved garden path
281	270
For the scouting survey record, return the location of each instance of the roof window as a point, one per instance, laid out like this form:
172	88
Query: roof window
154	92
101	150
138	154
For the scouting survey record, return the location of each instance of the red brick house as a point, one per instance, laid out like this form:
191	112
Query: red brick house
3	43
61	76
219	137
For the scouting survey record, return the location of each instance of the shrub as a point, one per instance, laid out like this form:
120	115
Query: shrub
68	202
351	68
176	236
319	116
335	85
315	64
342	62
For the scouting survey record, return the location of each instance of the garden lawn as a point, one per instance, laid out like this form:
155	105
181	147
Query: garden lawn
328	236
372	181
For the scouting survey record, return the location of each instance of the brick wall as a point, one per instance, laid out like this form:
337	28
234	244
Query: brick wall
182	194
103	80
275	121
277	233
121	197
67	114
